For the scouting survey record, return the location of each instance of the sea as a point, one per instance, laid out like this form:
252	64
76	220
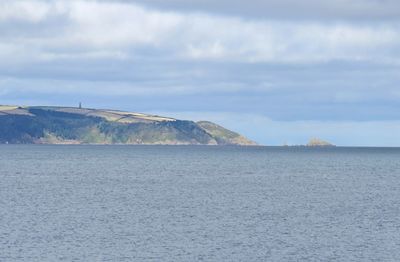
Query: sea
198	203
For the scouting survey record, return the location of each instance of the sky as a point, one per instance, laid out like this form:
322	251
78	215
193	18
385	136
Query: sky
276	71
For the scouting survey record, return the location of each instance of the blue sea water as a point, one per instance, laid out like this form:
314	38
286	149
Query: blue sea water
195	203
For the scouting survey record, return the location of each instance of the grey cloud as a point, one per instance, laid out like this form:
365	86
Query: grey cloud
287	9
283	92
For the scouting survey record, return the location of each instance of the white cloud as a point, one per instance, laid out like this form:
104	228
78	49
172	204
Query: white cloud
121	30
118	25
30	11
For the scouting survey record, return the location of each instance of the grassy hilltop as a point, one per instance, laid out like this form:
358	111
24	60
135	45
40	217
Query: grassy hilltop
68	125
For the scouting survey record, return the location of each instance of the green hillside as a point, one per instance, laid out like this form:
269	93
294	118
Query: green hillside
67	125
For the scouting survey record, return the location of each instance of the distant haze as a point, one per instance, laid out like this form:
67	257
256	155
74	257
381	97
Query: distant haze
275	71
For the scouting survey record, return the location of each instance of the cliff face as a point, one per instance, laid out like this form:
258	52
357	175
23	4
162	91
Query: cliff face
224	136
62	125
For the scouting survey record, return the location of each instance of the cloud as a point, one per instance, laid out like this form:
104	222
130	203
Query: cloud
121	30
30	11
287	9
118	25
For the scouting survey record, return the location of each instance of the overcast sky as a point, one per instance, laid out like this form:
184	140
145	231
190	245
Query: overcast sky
276	71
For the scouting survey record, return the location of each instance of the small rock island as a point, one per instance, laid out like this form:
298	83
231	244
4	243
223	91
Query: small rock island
316	142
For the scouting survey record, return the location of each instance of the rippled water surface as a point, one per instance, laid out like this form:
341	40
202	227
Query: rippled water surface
162	203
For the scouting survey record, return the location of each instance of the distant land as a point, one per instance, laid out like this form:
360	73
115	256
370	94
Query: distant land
319	143
315	142
76	125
